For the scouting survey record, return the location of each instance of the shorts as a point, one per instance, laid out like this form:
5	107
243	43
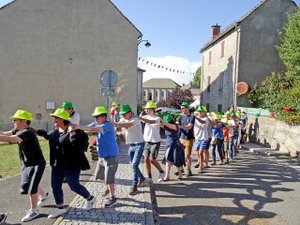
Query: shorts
30	179
243	132
151	149
208	143
200	145
187	146
106	169
225	146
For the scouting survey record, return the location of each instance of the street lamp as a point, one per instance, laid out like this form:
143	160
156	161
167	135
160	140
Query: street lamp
147	44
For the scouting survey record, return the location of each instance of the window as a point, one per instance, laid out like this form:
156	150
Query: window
156	93
222	49
150	96
207	107
219	107
209	58
208	84
221	82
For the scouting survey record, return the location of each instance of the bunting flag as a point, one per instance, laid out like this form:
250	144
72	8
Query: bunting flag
158	66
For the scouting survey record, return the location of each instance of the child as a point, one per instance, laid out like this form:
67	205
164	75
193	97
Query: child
174	149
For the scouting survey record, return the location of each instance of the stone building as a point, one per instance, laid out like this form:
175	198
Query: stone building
242	54
55	50
157	89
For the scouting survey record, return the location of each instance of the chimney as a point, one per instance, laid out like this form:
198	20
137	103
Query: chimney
215	30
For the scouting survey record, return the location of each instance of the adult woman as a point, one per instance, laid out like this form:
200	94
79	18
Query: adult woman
174	149
66	159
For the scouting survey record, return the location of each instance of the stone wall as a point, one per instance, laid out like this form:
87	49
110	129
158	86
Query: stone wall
274	134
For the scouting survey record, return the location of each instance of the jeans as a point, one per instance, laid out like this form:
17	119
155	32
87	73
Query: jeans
219	146
233	146
135	152
72	178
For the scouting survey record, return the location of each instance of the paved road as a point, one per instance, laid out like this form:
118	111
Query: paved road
135	209
17	205
254	189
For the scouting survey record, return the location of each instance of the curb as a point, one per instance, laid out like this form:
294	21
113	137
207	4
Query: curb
147	197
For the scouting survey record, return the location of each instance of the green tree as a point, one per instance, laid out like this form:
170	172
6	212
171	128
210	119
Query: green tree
289	50
281	92
175	99
197	77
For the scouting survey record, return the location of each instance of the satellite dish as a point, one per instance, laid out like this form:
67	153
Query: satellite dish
242	88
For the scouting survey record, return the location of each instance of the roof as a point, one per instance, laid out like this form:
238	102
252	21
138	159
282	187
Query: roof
190	85
8	3
233	26
140	69
110	3
126	18
160	83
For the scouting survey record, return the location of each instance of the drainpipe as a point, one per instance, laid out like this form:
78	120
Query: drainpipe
202	81
235	75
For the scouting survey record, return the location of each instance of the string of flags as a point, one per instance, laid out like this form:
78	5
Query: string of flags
166	68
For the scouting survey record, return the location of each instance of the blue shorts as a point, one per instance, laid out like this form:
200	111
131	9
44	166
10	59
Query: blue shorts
208	143
200	144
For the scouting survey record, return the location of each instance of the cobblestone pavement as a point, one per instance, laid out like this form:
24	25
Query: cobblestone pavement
135	209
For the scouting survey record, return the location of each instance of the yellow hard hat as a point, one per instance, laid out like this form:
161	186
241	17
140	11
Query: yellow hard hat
99	110
22	115
61	113
150	105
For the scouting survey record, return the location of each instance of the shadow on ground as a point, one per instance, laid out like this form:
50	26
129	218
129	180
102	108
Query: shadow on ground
239	193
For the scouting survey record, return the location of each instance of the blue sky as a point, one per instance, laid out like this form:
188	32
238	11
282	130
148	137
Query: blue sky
177	30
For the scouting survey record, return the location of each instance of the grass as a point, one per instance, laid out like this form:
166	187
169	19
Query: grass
10	162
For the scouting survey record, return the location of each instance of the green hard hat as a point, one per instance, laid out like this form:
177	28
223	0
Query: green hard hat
201	109
125	108
168	118
67	105
232	113
185	104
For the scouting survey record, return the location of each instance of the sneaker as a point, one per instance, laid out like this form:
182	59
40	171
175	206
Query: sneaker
104	192
133	191
160	177
43	198
31	214
196	166
57	212
222	163
141	181
189	174
3	218
90	203
110	202
213	163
